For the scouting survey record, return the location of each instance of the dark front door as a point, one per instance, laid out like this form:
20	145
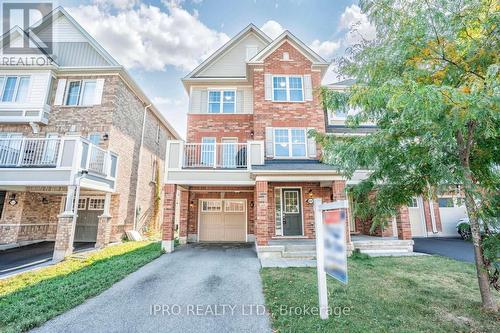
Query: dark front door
89	210
292	213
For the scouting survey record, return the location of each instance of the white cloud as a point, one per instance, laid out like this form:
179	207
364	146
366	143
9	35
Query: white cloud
357	24
272	28
326	49
146	37
118	4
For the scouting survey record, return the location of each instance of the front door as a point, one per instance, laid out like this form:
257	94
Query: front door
89	210
292	212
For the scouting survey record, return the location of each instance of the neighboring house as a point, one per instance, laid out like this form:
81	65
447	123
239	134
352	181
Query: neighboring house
248	171
80	145
428	218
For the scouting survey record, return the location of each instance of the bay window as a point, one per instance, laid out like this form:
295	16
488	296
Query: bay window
14	88
221	101
288	89
290	142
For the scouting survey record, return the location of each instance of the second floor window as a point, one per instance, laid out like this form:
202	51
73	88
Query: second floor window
287	89
14	88
80	93
221	101
290	142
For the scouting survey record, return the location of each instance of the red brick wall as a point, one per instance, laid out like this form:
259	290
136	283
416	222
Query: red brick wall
286	114
219	126
427	215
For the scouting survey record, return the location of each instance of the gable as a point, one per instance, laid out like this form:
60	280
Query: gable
232	63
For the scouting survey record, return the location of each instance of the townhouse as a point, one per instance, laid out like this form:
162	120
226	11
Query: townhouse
81	146
248	171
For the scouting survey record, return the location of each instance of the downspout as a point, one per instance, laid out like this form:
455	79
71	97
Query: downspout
139	164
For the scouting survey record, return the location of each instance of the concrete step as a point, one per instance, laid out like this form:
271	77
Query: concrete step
300	254
387	251
298	248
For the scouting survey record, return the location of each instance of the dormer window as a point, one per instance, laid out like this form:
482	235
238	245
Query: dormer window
221	101
287	89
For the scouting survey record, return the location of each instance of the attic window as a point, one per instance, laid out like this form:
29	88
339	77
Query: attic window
286	56
251	51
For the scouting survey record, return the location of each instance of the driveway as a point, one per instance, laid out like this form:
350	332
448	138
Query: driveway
454	248
198	288
23	257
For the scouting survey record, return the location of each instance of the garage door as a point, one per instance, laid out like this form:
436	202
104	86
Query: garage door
222	220
451	209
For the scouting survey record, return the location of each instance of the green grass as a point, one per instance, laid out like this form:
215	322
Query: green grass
386	294
29	299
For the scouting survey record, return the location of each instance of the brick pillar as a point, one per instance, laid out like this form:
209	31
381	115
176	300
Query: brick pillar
64	237
184	215
104	224
403	223
339	193
167	243
262	221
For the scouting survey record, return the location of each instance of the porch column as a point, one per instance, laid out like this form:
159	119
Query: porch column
261	223
65	233
403	223
184	214
104	224
167	243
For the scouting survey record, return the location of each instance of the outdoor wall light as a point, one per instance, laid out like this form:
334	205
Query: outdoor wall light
252	204
252	133
105	137
310	193
12	200
191	204
45	200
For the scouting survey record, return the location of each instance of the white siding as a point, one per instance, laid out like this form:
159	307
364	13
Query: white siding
232	63
63	31
39	84
199	98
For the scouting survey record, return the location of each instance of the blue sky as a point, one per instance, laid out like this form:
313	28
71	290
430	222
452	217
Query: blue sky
160	41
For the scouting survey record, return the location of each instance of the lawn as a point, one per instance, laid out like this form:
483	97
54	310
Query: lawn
29	299
385	294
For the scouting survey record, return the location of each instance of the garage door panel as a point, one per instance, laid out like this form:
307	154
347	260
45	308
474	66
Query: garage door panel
449	219
223	226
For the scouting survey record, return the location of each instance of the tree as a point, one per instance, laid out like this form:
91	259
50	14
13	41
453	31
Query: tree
430	82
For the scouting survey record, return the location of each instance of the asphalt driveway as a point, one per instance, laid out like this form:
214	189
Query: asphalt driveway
198	288
454	248
18	258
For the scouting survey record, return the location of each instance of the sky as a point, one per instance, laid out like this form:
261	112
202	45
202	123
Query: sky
160	41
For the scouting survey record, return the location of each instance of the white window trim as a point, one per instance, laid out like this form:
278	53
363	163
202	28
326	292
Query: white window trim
220	206
80	93
287	88
290	143
240	201
96	198
221	102
16	88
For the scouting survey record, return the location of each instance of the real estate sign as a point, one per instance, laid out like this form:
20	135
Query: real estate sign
335	254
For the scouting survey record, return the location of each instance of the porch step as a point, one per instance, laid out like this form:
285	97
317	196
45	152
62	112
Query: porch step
300	254
300	248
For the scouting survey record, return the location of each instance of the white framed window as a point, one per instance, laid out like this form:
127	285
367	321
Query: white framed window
288	88
290	142
211	206
82	203
14	88
96	204
251	51
221	101
95	138
234	206
291	202
208	151
413	203
451	202
80	93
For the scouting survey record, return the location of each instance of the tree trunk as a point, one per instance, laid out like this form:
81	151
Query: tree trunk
481	270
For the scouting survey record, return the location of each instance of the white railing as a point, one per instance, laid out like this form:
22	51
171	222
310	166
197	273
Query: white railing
98	161
29	152
215	155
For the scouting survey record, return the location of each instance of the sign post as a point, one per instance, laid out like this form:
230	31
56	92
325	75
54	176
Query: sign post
331	247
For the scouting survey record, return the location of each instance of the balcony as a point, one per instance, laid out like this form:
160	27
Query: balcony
56	161
209	163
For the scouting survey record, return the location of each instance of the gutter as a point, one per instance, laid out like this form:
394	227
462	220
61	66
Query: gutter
139	163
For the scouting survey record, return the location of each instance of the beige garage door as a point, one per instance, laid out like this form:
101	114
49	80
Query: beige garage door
222	220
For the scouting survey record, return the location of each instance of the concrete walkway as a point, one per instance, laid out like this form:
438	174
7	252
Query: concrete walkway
198	288
454	248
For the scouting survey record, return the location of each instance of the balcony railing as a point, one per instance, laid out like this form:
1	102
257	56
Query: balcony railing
215	155
60	152
29	152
